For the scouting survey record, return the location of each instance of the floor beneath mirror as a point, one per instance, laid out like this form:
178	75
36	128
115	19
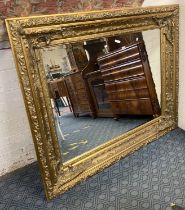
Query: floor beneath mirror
150	179
84	133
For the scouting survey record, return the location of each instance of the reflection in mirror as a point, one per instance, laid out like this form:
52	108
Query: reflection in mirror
102	88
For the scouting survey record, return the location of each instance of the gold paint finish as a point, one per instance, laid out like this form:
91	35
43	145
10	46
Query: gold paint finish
29	34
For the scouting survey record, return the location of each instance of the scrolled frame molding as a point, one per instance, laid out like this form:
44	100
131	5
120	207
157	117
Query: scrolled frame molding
29	34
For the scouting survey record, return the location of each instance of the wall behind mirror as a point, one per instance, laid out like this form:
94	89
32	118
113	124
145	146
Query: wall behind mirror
152	43
102	88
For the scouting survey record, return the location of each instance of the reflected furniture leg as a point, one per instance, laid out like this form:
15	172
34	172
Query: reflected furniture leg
57	107
93	115
69	104
59	128
176	207
116	117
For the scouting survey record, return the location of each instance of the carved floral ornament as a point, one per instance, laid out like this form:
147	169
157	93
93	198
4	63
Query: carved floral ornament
28	35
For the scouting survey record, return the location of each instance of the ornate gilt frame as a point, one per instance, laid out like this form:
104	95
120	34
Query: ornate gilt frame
29	34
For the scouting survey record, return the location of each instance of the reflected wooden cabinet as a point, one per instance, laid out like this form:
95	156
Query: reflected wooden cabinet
59	93
128	81
79	89
78	94
120	84
57	88
98	93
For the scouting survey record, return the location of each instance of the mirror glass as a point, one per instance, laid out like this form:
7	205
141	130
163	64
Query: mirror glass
102	88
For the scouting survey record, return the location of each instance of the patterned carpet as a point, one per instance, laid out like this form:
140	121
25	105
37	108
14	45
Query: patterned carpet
149	179
85	133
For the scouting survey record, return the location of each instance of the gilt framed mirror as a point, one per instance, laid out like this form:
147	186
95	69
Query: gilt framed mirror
96	85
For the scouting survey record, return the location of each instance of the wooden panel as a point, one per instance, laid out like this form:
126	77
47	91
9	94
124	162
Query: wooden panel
78	93
131	84
79	85
141	106
119	56
84	107
129	94
57	86
119	107
123	71
136	107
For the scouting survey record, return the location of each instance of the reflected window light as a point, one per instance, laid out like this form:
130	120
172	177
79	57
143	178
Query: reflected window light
87	54
117	41
106	48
